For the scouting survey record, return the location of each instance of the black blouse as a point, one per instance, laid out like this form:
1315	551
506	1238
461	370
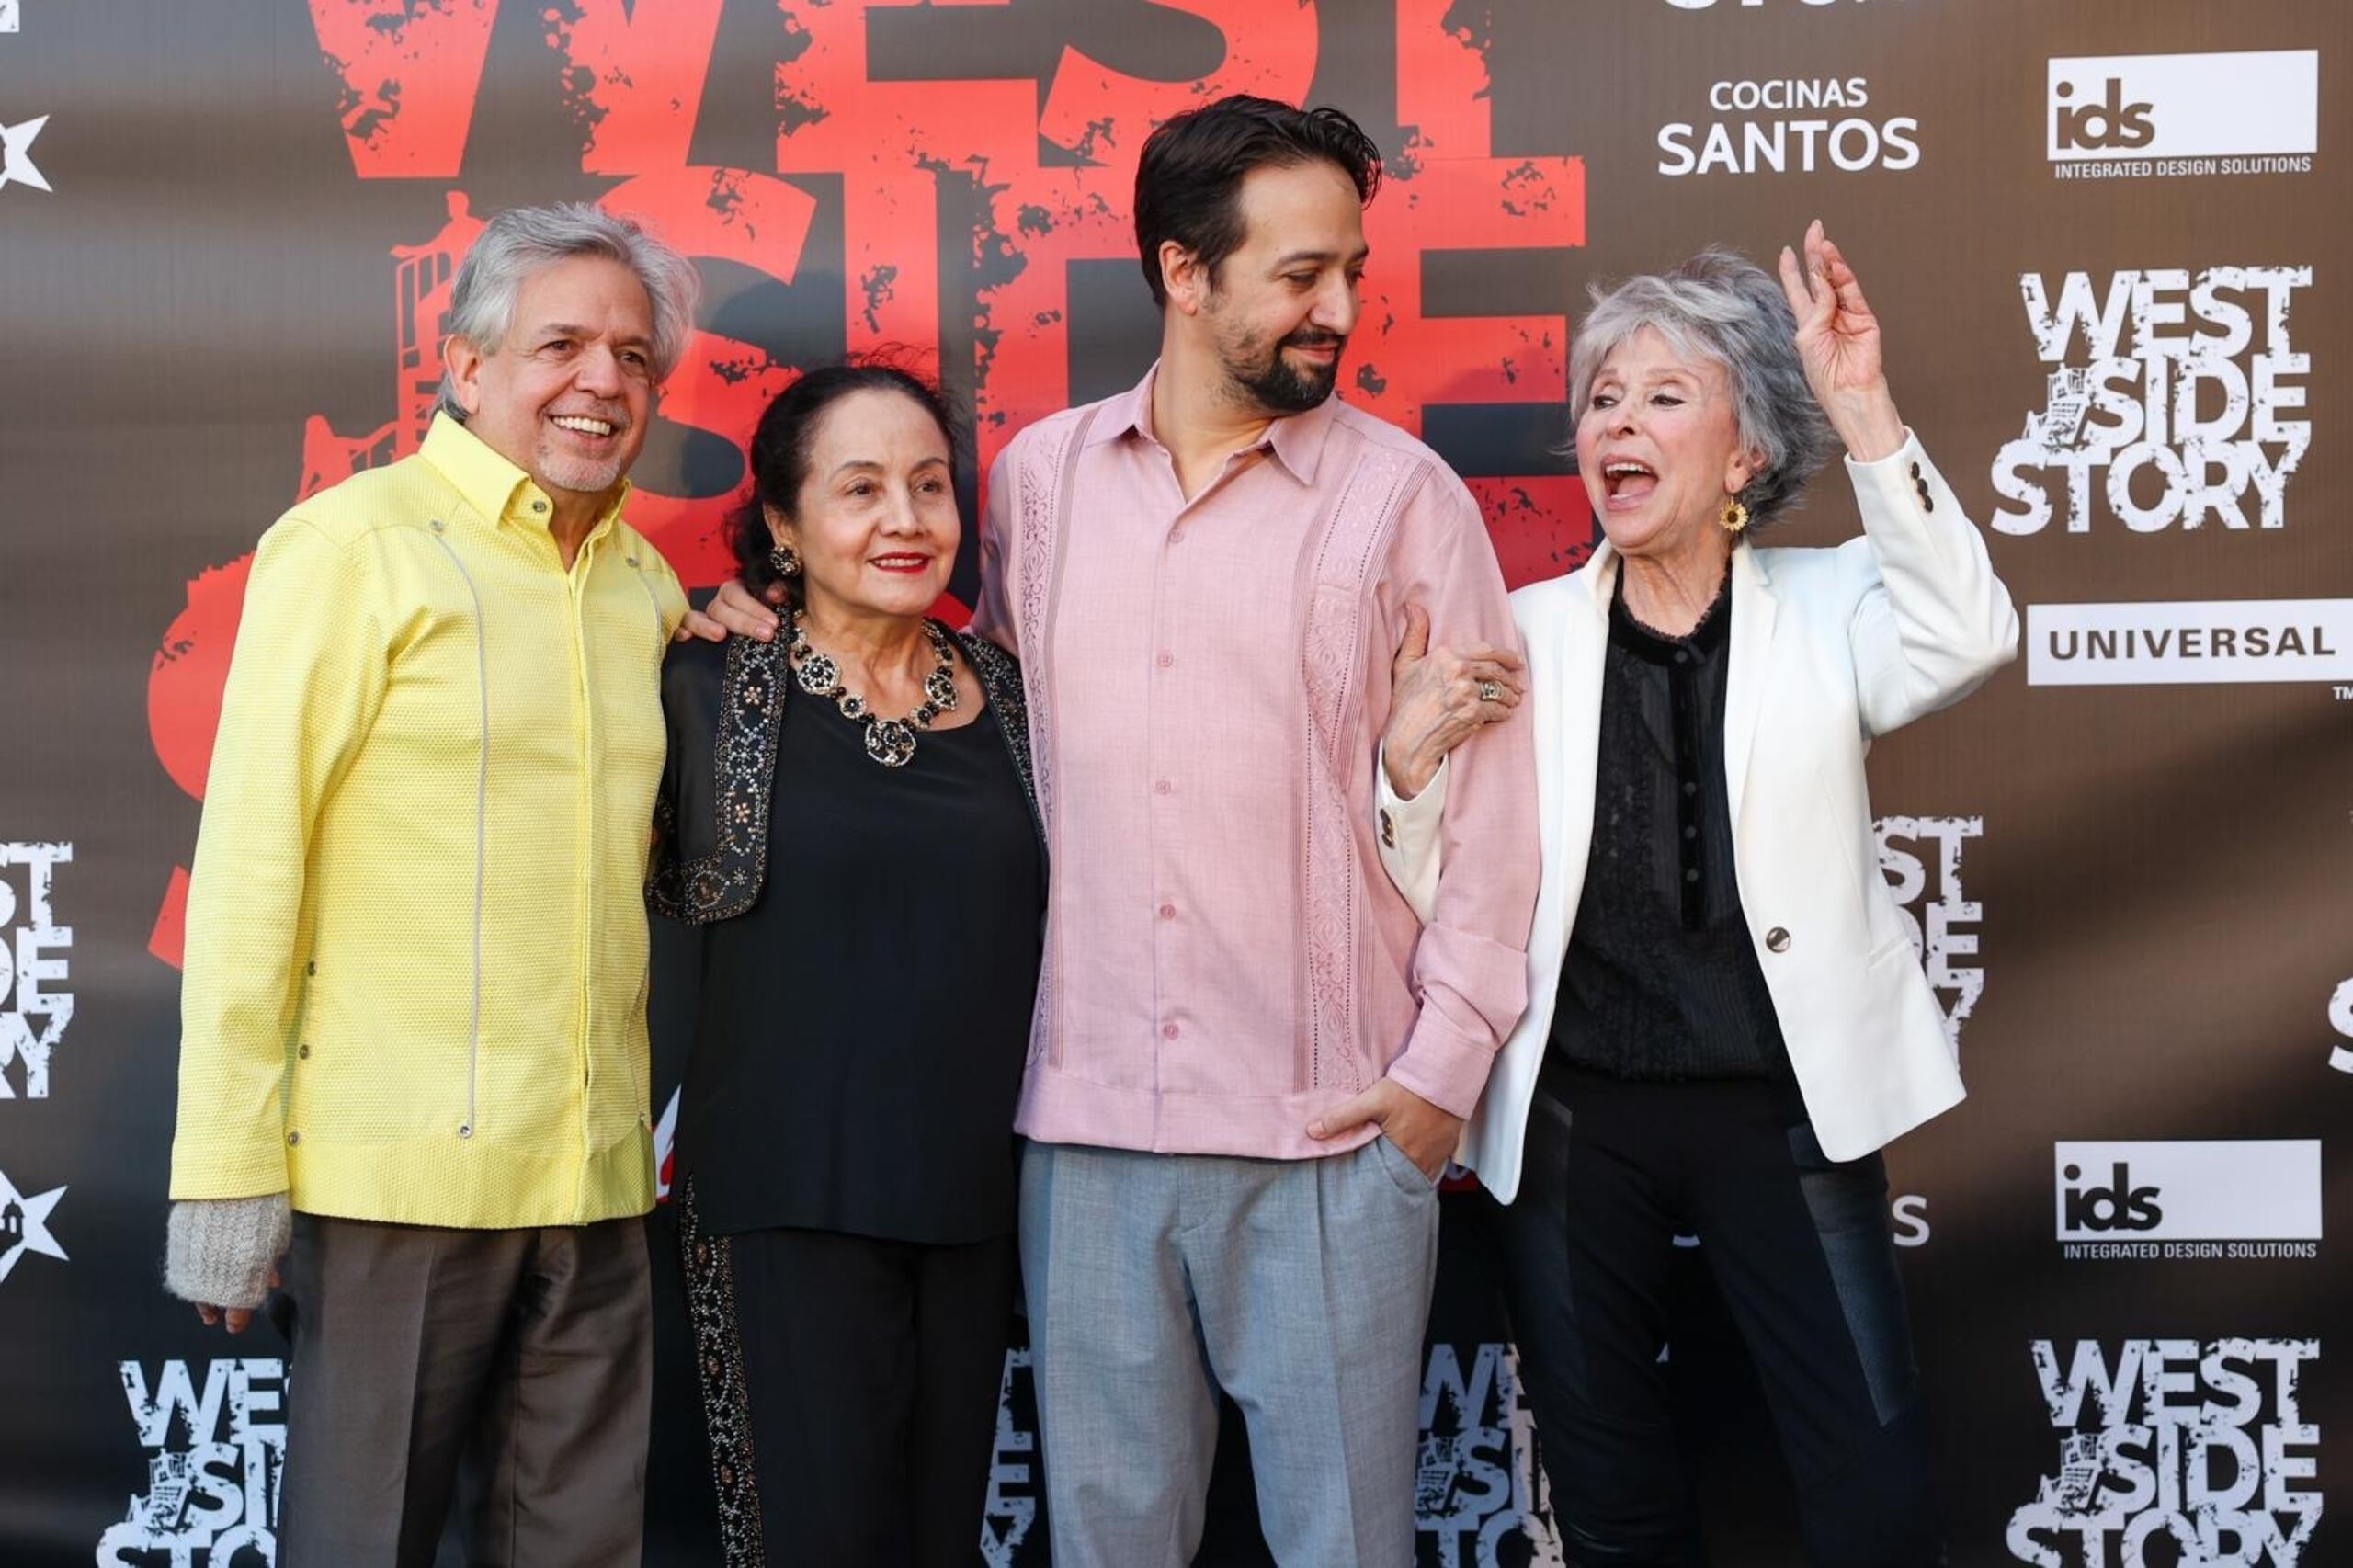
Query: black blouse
864	1018
1661	978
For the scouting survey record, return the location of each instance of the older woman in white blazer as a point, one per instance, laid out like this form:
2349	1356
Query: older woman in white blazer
1726	1019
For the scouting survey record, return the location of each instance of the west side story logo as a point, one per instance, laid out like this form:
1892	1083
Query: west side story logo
215	1458
1920	857
35	1008
2176	401
2240	1198
2133	116
1480	1499
2199	1446
1478	1495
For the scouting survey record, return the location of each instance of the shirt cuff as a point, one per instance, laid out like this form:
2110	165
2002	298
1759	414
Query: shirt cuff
1903	483
1408	831
1443	1067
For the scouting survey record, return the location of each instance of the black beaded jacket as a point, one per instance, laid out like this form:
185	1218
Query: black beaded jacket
723	704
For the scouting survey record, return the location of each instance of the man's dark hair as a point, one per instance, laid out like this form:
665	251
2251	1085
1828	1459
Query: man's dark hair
781	447
1188	185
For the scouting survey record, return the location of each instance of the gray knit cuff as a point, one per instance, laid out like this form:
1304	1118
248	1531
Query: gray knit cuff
217	1252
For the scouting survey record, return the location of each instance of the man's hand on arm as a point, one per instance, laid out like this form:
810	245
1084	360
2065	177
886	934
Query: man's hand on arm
734	611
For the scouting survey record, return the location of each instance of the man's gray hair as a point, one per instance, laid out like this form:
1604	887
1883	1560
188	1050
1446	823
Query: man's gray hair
1721	307
522	240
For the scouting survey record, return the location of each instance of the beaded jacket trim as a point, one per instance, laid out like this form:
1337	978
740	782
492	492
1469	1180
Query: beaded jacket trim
726	882
709	1264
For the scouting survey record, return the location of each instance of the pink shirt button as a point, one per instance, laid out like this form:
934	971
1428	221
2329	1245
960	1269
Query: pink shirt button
1168	1032
1169	912
1164	788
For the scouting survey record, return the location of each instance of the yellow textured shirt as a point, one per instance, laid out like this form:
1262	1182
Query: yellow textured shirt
416	948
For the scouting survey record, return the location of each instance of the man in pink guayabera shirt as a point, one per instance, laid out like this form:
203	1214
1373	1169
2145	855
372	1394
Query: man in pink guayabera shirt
1249	1062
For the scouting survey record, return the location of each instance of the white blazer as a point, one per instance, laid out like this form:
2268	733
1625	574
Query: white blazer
1829	648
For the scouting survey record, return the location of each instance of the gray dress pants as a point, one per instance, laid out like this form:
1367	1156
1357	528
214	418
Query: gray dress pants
1301	1287
506	1374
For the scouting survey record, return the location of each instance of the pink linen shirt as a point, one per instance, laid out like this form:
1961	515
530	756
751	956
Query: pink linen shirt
1225	958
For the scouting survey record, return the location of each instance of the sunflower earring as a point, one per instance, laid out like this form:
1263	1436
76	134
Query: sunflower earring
784	560
1734	518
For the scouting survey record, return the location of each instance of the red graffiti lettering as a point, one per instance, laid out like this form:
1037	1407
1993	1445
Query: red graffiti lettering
410	71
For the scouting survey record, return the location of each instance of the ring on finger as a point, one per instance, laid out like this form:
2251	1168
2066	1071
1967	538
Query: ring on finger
1490	692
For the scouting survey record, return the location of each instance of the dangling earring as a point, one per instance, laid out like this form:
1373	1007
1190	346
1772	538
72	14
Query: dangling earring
784	560
1734	518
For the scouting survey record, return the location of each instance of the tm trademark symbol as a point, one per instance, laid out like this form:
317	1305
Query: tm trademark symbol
2345	694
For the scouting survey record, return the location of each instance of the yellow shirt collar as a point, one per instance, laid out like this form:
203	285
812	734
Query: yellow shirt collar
493	487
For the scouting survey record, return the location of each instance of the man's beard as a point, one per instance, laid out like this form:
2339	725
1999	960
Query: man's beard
1280	389
580	476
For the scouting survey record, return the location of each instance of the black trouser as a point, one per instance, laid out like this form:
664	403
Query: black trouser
851	1388
1802	1250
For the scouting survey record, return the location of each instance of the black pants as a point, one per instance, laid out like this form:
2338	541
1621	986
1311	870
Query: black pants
850	1385
1799	1247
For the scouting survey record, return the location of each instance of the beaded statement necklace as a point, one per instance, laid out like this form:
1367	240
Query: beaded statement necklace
890	742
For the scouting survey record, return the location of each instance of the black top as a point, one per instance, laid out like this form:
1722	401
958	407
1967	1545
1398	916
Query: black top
1660	979
864	1021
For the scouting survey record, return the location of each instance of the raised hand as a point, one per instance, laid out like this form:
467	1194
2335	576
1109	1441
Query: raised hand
1838	341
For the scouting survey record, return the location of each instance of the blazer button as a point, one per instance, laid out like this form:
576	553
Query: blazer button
1778	940
1387	831
292	1139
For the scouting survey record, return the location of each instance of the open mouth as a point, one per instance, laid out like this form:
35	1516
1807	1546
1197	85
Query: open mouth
901	562
584	424
1625	480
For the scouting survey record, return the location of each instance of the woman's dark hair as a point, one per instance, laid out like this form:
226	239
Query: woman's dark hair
1188	185
780	444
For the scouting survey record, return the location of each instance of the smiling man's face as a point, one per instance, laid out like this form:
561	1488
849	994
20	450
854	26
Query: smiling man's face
567	396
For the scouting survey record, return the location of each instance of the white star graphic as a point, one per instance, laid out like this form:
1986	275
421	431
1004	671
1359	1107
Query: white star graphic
35	1236
16	155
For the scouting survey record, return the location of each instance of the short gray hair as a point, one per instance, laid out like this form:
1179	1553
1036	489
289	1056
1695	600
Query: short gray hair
522	240
1721	307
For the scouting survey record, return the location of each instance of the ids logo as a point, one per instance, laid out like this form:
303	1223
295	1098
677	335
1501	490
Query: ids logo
2238	1199
2118	1206
2108	125
2131	116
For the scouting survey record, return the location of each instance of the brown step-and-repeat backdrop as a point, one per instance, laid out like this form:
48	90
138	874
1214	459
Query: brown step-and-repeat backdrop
2105	237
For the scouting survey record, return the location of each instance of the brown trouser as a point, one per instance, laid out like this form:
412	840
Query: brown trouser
508	1370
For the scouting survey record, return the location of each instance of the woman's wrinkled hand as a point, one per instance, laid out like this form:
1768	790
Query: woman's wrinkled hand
1838	340
1438	698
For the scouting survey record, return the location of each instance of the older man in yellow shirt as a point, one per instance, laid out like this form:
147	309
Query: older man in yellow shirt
414	1014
